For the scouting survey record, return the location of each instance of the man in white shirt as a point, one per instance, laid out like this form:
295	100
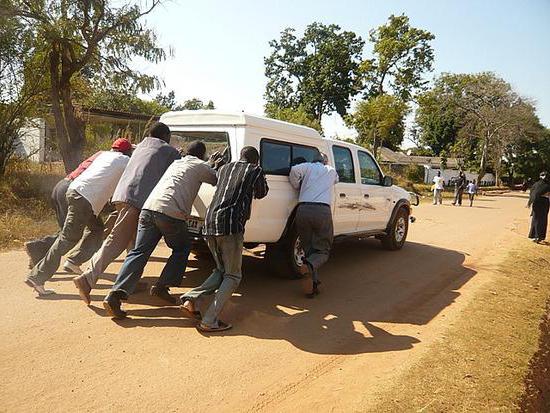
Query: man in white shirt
315	181
86	197
438	188
471	190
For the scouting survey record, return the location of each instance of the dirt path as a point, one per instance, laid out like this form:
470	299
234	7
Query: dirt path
378	312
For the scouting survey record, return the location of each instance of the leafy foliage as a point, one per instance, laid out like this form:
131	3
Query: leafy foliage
402	54
319	71
298	116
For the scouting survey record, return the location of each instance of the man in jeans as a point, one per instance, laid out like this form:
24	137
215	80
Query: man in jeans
164	214
315	181
238	183
38	248
86	197
460	184
149	161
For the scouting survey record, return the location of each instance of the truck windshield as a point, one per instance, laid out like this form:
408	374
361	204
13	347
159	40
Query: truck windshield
214	141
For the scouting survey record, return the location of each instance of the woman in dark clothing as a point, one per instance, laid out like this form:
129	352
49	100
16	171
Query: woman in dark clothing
540	204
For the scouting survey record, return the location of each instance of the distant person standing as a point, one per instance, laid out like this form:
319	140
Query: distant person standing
539	203
315	181
460	184
238	183
471	190
438	188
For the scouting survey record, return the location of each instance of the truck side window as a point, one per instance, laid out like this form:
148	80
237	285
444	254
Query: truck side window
343	162
275	158
370	174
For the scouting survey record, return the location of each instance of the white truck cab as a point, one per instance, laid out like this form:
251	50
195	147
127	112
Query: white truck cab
365	202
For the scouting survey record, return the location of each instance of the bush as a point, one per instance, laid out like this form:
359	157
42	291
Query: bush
414	173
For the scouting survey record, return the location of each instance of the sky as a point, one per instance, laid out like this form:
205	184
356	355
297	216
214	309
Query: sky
219	46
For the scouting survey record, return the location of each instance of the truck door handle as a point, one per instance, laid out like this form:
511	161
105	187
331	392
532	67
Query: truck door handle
342	195
366	195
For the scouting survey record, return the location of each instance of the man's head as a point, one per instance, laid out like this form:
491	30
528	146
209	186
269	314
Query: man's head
544	175
250	154
122	145
161	131
197	149
318	157
461	173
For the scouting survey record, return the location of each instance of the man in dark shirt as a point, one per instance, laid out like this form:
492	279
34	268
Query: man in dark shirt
149	161
238	183
460	184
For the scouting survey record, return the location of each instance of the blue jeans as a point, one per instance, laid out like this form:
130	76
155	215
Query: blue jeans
152	226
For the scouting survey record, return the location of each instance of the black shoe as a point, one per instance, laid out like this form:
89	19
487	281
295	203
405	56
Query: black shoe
112	304
162	292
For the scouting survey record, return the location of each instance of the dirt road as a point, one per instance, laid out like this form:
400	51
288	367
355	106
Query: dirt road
378	312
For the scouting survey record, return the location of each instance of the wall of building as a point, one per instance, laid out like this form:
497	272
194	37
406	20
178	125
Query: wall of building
447	174
31	143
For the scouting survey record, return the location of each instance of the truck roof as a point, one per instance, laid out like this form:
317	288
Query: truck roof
215	118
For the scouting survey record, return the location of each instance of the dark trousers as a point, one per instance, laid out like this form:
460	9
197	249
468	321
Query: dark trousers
539	218
80	218
314	226
471	198
152	226
458	196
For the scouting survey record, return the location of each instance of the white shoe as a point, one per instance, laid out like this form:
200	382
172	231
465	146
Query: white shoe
72	268
39	288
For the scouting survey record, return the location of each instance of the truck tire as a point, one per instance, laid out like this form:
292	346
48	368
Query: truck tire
285	258
397	231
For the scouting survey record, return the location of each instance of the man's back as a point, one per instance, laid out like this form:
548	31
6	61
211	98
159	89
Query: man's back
148	163
315	182
238	183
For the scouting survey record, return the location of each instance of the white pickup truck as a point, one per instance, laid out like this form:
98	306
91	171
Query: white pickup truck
366	203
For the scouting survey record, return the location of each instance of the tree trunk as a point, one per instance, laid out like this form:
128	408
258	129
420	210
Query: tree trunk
69	129
483	161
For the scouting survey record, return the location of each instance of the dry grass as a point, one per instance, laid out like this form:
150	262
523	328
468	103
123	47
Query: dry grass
481	363
24	202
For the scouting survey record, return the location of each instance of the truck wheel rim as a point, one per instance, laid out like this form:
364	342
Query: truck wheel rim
400	229
299	254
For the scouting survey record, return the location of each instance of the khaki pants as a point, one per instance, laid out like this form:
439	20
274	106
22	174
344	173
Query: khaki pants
122	235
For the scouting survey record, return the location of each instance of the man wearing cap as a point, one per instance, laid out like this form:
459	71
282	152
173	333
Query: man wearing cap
86	197
149	161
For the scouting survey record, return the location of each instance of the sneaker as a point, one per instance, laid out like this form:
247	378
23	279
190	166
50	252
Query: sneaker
112	304
38	288
84	288
71	268
162	292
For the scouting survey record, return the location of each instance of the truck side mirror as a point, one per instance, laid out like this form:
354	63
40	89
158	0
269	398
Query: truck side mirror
387	181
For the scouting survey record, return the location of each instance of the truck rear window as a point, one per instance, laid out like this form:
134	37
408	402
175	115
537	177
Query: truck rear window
278	157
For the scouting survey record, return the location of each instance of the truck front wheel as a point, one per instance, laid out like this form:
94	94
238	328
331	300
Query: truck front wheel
397	231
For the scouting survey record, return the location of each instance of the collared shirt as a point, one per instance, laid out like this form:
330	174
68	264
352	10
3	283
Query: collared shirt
315	182
438	182
83	166
471	188
98	182
238	183
177	189
148	163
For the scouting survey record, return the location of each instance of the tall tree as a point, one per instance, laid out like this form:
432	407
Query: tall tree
91	39
297	115
318	71
402	55
379	121
195	104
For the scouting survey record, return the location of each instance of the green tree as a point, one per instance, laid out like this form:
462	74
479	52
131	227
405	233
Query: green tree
20	84
318	71
195	104
297	115
379	121
402	55
95	40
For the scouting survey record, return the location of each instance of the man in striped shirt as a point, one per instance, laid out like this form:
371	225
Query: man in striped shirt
238	183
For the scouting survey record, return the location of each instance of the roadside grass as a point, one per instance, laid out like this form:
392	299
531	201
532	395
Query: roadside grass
24	202
481	362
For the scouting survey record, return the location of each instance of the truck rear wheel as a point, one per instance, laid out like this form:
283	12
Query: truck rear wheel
286	257
397	231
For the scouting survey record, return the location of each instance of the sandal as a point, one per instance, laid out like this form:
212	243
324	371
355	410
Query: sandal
222	326
194	314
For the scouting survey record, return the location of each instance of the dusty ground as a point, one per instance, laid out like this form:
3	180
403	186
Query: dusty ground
378	312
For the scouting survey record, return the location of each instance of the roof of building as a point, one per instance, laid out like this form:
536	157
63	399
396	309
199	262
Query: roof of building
215	118
389	156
